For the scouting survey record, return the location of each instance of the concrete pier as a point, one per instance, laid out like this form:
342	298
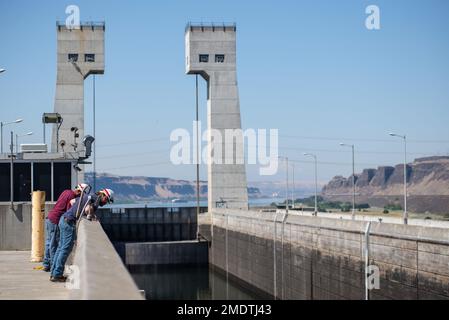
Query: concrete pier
97	272
211	53
80	53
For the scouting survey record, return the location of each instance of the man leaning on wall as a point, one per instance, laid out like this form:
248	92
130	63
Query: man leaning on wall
65	201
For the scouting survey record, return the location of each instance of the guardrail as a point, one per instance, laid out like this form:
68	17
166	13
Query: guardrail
98	271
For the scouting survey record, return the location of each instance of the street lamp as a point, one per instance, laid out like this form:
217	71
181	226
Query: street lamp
353	177
55	118
19	136
2	124
316	180
405	174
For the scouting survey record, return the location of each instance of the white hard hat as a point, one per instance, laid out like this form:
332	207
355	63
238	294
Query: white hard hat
109	193
82	186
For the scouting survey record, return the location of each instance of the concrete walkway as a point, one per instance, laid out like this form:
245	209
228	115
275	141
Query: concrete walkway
18	280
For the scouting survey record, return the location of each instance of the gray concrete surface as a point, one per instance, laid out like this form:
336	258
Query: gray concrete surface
226	182
102	274
19	281
323	258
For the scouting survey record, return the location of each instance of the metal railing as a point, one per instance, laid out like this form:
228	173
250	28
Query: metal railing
224	26
83	25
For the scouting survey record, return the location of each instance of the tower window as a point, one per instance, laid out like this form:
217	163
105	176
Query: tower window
219	58
89	57
204	58
73	57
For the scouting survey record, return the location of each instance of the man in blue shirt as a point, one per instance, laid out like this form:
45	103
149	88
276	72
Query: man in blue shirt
84	205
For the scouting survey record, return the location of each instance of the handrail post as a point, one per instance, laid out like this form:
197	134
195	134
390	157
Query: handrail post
366	253
274	255
227	265
284	218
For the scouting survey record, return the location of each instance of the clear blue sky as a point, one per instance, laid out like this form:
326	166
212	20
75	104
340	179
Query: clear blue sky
309	68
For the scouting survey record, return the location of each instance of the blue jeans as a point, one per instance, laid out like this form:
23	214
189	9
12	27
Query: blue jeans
67	236
51	242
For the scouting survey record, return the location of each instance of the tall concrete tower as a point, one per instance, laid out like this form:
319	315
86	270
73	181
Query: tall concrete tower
80	53
211	53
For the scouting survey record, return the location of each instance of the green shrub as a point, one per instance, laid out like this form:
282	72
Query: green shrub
363	206
393	206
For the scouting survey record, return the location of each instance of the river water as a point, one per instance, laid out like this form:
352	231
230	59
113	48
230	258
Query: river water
188	282
168	204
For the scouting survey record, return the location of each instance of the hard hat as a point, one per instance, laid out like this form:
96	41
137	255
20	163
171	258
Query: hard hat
82	186
109	194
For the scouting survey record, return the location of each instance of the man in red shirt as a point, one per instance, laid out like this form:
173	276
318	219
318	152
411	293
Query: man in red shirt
51	223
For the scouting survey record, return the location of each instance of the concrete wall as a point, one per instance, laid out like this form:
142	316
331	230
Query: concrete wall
149	224
102	274
155	253
323	258
15	226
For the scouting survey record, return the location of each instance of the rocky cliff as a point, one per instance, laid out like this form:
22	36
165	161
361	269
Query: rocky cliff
130	188
426	177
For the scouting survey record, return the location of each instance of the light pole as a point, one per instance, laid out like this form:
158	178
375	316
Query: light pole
19	136
197	142
353	178
286	184
316	180
95	135
293	185
2	124
405	174
11	181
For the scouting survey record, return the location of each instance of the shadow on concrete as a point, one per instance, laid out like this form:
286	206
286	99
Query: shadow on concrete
18	212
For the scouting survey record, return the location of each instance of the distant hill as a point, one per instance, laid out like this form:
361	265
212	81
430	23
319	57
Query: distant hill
139	188
427	183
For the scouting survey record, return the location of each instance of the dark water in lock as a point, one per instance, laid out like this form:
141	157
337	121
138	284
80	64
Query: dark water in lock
188	282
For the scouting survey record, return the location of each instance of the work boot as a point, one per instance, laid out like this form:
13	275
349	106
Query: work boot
58	279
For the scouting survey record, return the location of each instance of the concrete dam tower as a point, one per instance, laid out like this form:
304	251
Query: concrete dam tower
211	53
80	53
